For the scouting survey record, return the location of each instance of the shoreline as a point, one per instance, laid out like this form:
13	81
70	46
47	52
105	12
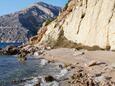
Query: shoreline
100	70
97	68
36	70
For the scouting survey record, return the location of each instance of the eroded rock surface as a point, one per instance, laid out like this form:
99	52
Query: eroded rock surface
88	23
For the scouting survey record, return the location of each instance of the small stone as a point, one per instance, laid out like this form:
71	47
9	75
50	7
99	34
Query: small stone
43	62
99	74
113	66
80	70
92	63
108	77
49	78
78	53
36	54
74	49
61	66
72	67
48	48
37	84
40	52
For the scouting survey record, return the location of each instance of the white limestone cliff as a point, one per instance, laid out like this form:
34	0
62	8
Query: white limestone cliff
87	22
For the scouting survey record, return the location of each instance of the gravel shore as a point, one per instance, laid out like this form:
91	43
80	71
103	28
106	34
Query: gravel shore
88	68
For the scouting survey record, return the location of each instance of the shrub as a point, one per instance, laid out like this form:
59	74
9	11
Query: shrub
48	22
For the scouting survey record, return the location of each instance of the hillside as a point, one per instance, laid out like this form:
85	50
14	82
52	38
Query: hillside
83	24
20	26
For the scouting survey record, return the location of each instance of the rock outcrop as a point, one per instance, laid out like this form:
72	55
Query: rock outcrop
20	26
84	23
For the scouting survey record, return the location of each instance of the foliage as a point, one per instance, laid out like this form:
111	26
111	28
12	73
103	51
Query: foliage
48	21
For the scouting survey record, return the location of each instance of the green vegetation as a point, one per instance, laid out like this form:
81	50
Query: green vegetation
48	22
66	6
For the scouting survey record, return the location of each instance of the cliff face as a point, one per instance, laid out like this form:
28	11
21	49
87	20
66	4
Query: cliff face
88	23
20	26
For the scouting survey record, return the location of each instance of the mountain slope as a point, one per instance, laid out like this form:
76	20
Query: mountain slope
20	26
83	24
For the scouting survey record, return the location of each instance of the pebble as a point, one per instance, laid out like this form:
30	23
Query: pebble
98	74
48	48
113	66
92	63
43	62
108	77
99	79
36	54
78	53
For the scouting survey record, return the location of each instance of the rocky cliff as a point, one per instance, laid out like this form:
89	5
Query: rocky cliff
19	26
83	24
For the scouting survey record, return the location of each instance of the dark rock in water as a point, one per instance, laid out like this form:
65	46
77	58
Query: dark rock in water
49	78
61	66
9	50
14	50
0	48
20	26
18	81
22	55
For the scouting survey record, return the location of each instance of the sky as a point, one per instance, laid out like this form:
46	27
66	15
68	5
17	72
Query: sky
10	6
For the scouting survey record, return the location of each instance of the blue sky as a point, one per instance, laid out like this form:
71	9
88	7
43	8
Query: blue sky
10	6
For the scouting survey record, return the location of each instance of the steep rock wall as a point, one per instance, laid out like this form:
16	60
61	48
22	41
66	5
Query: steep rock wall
86	22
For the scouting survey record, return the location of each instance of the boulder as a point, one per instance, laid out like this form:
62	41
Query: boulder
10	50
49	78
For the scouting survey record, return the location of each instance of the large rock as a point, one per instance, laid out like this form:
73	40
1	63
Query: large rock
10	50
88	23
20	26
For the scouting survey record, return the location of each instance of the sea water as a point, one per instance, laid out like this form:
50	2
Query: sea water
13	70
4	44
